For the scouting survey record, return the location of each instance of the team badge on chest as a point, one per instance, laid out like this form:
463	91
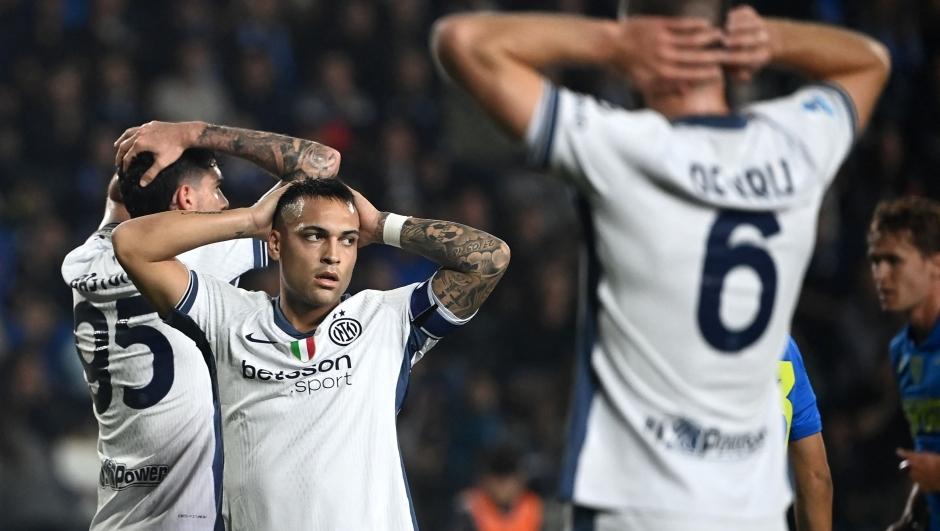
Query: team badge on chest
344	331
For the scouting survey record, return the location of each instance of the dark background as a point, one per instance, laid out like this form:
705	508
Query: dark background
356	75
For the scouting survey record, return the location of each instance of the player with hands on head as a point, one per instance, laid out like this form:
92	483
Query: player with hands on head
311	381
151	388
675	418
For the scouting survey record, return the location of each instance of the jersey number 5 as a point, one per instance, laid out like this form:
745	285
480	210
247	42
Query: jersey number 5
720	259
125	336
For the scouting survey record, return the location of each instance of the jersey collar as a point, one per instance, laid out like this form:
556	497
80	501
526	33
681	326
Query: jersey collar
720	121
930	343
281	320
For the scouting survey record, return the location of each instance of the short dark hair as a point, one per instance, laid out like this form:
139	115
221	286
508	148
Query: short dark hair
713	10
157	196
327	188
918	216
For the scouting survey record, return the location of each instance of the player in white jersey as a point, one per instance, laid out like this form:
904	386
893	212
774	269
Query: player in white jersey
153	397
700	223
310	382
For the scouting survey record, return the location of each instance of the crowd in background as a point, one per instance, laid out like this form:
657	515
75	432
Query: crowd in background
357	75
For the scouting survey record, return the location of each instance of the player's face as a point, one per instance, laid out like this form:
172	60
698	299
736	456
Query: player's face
903	276
317	250
207	193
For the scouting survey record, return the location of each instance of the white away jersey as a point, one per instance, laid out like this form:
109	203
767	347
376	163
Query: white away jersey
309	420
151	389
699	233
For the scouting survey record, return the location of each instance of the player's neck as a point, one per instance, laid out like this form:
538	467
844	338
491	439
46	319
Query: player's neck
701	101
923	317
302	316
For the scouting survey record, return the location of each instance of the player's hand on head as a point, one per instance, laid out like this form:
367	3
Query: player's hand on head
262	212
658	51
165	140
369	217
748	43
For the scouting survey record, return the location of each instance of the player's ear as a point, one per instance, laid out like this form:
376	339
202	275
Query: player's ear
185	198
274	244
934	261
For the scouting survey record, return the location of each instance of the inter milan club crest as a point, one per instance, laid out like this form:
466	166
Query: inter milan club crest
304	349
344	331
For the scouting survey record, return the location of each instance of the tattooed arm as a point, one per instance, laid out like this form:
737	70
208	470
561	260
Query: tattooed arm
147	246
472	261
280	155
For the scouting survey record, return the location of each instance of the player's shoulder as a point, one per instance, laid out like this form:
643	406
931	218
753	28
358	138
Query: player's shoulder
899	341
221	292
589	112
792	352
389	297
815	104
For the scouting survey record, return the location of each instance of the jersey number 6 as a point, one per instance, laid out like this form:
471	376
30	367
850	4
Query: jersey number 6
720	259
125	336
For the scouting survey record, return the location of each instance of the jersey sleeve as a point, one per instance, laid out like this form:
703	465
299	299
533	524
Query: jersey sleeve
806	418
206	310
227	260
820	119
424	317
575	136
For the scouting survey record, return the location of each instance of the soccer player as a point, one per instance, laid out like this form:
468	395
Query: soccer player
311	382
904	251
806	449
152	395
700	223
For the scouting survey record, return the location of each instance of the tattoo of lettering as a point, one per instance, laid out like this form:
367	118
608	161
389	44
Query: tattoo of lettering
281	155
472	260
198	212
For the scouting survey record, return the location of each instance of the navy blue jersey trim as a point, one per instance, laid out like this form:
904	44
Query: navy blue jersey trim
583	518
281	321
185	324
416	340
189	298
541	150
256	251
717	121
426	314
585	384
849	104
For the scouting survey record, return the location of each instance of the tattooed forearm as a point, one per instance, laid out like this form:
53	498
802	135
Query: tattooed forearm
278	154
472	260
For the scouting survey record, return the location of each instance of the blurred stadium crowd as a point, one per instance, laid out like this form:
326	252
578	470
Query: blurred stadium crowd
356	75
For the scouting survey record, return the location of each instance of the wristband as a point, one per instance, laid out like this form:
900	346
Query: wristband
391	233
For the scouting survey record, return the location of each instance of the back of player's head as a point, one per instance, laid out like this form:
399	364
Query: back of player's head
713	10
917	216
291	203
158	195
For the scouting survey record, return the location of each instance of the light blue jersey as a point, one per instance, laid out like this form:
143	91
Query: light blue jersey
917	369
799	401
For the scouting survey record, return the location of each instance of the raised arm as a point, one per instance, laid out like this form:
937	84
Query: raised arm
280	155
855	62
813	505
147	246
500	59
472	261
